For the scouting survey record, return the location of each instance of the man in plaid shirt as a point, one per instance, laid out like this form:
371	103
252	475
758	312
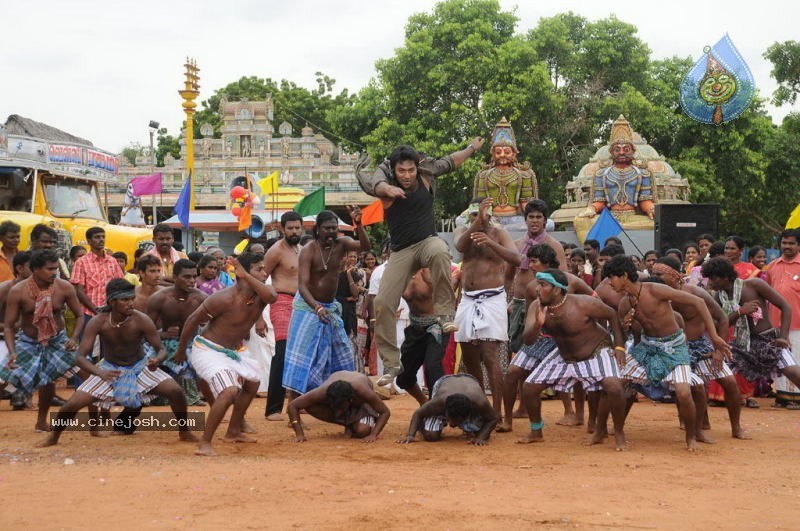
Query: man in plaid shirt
93	271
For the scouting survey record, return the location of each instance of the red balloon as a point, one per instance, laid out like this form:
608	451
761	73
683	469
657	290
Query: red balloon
237	192
236	211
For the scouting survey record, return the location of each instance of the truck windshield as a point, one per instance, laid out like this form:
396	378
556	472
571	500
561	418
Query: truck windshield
68	198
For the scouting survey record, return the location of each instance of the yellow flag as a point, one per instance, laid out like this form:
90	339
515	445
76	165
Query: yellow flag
241	246
269	185
794	219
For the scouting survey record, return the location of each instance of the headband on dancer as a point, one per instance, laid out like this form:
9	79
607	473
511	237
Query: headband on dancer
550	279
668	272
122	294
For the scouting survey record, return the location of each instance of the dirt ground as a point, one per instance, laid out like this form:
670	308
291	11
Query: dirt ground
150	480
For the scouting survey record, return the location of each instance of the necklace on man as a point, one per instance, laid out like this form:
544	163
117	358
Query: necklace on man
117	325
559	305
324	260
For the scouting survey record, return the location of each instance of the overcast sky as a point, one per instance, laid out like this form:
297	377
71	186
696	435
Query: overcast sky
103	69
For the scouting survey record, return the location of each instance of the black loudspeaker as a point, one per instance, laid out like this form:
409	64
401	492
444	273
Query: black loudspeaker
678	224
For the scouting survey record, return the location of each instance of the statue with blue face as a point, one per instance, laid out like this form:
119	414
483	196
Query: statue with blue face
624	185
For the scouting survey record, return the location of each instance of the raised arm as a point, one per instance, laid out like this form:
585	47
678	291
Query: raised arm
363	240
503	247
265	292
534	321
460	156
462	238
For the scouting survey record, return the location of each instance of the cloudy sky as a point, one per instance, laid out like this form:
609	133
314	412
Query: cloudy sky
103	69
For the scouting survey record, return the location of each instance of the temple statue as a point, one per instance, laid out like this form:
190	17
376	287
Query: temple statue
623	185
510	184
628	177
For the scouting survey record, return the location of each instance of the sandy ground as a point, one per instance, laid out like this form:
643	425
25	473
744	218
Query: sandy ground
150	480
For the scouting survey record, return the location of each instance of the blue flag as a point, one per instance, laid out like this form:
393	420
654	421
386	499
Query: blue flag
605	227
181	208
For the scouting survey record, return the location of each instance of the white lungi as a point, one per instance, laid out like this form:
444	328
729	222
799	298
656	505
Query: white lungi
482	315
218	369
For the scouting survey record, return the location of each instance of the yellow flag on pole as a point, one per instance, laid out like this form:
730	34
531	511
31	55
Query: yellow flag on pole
269	184
794	219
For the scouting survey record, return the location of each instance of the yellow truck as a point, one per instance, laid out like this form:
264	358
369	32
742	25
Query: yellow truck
54	178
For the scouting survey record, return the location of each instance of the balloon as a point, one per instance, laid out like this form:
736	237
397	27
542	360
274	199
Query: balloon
238	192
236	211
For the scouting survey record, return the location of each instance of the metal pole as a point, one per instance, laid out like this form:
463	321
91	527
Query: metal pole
152	171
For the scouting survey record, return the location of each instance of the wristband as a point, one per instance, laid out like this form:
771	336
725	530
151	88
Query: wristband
621	349
317	308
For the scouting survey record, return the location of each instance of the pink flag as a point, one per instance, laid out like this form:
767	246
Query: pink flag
146	184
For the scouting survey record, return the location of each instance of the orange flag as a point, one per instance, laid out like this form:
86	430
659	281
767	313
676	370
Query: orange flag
372	213
246	217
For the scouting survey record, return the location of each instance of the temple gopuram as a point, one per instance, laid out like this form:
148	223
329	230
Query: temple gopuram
585	189
248	142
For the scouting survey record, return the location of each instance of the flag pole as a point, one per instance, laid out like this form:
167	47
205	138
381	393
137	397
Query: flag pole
632	242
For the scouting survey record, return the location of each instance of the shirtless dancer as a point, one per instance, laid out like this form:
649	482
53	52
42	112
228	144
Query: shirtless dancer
22	270
518	279
346	398
424	341
540	258
215	354
759	348
318	345
481	315
576	323
661	354
169	308
707	362
280	263
42	352
125	375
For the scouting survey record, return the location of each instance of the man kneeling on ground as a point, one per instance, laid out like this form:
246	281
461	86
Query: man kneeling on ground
457	400
346	398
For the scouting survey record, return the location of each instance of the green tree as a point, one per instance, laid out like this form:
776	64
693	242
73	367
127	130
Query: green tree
294	104
166	143
785	59
131	151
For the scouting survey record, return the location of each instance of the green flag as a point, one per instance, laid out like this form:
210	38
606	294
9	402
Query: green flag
312	204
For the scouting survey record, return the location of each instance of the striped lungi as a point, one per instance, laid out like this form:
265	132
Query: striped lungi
700	351
554	370
530	356
142	380
221	367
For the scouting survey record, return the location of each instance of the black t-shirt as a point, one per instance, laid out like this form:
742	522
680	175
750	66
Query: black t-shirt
411	219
